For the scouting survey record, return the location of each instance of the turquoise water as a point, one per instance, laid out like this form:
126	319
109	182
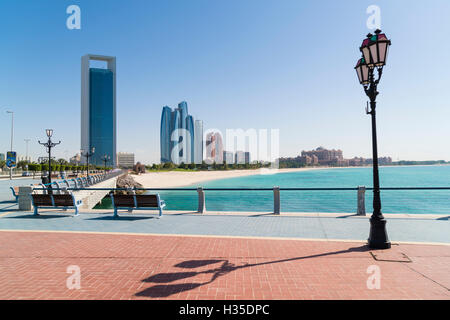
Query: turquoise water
393	201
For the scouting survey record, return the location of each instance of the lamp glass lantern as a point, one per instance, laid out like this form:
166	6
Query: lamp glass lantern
375	49
49	132
362	70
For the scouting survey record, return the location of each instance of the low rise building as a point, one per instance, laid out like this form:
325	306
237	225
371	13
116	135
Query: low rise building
125	160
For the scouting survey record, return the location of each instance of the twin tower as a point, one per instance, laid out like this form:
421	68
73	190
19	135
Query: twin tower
181	138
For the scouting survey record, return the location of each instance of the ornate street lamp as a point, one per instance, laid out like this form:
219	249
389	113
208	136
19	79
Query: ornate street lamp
49	145
105	159
374	53
87	154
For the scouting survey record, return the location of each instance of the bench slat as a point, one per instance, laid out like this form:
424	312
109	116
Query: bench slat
42	200
147	200
63	200
123	200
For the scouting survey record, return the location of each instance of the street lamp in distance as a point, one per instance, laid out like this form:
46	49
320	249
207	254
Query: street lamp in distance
49	145
105	159
12	135
87	154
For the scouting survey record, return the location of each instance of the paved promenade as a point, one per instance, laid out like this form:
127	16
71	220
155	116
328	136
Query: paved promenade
344	227
217	256
34	265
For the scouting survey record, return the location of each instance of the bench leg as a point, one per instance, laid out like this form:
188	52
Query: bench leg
76	211
36	211
160	212
115	213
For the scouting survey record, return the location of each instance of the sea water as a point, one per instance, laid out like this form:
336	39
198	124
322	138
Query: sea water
393	201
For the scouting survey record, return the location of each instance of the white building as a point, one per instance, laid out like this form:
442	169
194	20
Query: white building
242	157
76	159
23	158
228	157
125	160
198	141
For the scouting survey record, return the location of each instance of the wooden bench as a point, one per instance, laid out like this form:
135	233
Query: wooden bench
15	192
52	201
132	202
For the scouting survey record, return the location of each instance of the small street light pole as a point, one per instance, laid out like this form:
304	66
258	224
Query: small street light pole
87	154
49	145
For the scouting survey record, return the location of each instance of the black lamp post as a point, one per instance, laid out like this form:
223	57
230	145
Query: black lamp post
374	52
105	159
49	145
88	154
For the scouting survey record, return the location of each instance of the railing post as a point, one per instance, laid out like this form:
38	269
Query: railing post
276	200
361	201
201	200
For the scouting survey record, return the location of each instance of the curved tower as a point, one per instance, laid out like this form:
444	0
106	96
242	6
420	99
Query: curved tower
190	139
165	132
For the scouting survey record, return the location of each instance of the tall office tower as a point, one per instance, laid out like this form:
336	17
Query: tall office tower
175	148
189	139
183	110
198	142
214	148
165	132
98	109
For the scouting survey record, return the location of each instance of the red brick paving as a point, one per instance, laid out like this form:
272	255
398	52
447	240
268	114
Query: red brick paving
33	266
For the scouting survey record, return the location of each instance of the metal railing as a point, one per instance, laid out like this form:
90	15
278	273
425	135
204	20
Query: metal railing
79	183
201	207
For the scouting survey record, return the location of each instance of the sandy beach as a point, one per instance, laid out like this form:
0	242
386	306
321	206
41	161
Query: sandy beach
173	179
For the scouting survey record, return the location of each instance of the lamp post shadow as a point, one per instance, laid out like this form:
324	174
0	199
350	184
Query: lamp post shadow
164	288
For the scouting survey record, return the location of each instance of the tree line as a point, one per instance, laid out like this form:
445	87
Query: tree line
57	165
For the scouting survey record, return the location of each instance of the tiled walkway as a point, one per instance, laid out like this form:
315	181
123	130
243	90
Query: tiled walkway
310	227
33	265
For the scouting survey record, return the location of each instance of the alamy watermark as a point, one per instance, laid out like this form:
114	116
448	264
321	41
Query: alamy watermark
74	20
238	146
374	19
374	280
74	280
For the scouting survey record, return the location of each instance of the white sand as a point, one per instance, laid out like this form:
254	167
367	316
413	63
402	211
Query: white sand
173	179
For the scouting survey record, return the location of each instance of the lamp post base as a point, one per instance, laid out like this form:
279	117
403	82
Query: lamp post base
378	238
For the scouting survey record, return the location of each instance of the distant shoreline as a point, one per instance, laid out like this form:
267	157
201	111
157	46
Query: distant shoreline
174	179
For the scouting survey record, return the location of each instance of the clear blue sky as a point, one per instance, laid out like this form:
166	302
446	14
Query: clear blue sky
238	63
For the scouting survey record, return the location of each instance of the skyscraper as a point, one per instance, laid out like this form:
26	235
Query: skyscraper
98	108
189	139
165	132
198	142
177	134
214	148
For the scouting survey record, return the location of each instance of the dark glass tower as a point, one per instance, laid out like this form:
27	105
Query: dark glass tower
101	120
165	132
98	109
